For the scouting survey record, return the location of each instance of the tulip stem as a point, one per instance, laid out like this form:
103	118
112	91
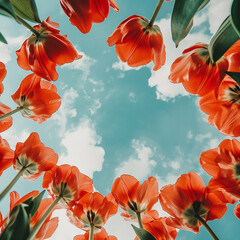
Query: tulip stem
43	218
28	26
139	219
210	231
11	184
91	234
10	113
159	5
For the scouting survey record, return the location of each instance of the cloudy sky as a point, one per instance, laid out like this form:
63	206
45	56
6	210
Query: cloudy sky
115	119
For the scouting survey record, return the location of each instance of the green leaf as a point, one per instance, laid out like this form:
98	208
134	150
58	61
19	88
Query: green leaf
2	39
18	225
143	234
182	17
6	9
235	14
26	9
224	38
235	76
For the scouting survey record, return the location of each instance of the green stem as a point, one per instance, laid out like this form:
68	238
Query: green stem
10	185
43	218
10	113
159	5
139	219
91	234
28	26
210	231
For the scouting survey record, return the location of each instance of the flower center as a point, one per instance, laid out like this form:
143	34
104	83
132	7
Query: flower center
233	94
91	218
190	213
236	171
31	167
65	191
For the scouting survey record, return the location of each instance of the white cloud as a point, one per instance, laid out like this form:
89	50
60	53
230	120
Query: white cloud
82	148
189	135
218	10
122	66
66	110
84	64
132	97
95	106
139	164
202	137
165	90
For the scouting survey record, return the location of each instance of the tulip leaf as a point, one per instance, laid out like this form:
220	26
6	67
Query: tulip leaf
26	9
143	234
235	14
224	38
2	39
182	17
6	9
18	225
235	76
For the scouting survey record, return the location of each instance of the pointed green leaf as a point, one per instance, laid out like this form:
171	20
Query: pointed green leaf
18	225
36	202
2	39
182	17
26	9
235	76
143	234
235	14
6	9
224	38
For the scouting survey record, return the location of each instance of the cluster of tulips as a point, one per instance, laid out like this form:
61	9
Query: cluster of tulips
138	42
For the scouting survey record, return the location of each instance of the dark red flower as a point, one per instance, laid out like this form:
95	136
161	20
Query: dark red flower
3	73
34	157
6	155
37	98
196	72
42	53
224	110
85	12
68	182
133	197
137	43
237	211
189	198
6	122
223	163
93	209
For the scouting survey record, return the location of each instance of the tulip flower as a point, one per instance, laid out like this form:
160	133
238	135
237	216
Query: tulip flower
191	204
195	70
98	236
92	211
37	99
85	12
223	163
237	211
31	159
6	121
3	73
135	199
158	227
138	42
224	110
45	49
6	155
67	184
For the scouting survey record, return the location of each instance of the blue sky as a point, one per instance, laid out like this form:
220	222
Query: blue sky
115	119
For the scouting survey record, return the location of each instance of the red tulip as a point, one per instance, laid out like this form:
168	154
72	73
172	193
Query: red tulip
37	98
137	43
6	155
196	72
223	163
34	157
98	236
67	181
93	209
237	211
85	12
134	198
42	53
224	110
189	198
3	73
6	122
